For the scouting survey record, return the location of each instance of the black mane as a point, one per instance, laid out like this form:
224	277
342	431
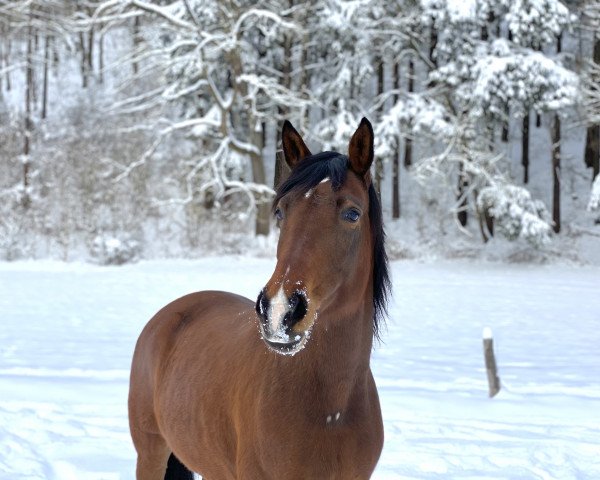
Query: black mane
308	174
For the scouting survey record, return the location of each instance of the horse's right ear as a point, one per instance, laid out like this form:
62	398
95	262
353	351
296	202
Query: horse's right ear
294	148
360	151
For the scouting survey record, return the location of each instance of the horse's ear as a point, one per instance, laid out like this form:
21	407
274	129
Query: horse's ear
294	148
360	151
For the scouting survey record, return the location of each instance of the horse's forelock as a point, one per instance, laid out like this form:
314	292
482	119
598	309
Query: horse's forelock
311	171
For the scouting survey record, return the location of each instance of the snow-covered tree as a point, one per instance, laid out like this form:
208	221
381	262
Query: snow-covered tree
27	21
214	77
591	100
189	112
476	78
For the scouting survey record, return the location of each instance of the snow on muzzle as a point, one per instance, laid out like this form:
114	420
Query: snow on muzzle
281	320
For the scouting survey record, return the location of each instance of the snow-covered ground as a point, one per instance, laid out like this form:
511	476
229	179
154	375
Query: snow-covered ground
67	332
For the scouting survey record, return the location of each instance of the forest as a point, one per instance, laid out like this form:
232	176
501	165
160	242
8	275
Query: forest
139	129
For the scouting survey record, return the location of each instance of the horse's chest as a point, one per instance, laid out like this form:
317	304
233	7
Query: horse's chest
330	452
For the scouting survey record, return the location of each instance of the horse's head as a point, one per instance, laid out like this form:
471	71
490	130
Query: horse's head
331	241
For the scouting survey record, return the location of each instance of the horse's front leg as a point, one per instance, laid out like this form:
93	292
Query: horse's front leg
153	455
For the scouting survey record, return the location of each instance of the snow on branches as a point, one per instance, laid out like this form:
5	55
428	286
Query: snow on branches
537	22
518	80
414	114
211	69
477	79
516	214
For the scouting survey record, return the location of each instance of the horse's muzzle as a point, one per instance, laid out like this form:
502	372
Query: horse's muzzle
278	316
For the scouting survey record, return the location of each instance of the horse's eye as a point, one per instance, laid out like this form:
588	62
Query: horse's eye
351	215
278	214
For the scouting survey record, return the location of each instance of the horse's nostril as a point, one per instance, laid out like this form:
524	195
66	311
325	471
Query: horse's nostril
298	308
262	305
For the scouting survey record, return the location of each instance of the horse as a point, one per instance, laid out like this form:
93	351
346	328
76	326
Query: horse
280	388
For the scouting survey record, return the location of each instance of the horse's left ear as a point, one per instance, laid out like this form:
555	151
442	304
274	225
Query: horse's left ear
360	151
294	148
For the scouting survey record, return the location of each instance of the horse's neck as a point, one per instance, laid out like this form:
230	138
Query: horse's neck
333	369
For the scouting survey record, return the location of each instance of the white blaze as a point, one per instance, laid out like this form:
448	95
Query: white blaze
310	192
277	310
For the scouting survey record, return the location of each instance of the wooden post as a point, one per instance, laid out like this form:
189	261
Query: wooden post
490	362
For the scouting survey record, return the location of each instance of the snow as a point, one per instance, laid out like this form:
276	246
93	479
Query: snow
487	333
594	203
454	11
69	330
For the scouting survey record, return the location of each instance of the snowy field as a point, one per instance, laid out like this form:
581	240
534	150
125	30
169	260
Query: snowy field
68	330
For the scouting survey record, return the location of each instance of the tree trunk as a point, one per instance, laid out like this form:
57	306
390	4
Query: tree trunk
6	61
505	125
433	40
263	207
101	59
556	173
26	200
90	51
1	65
378	180
136	41
55	58
592	150
525	149
255	134
34	93
490	25
489	223
463	183
83	60
396	158
408	152
486	224
304	77
45	85
281	169
411	89
592	142
556	161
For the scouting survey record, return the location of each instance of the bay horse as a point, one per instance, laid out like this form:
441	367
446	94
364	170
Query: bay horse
280	388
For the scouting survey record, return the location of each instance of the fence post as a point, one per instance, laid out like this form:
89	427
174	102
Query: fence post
490	362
